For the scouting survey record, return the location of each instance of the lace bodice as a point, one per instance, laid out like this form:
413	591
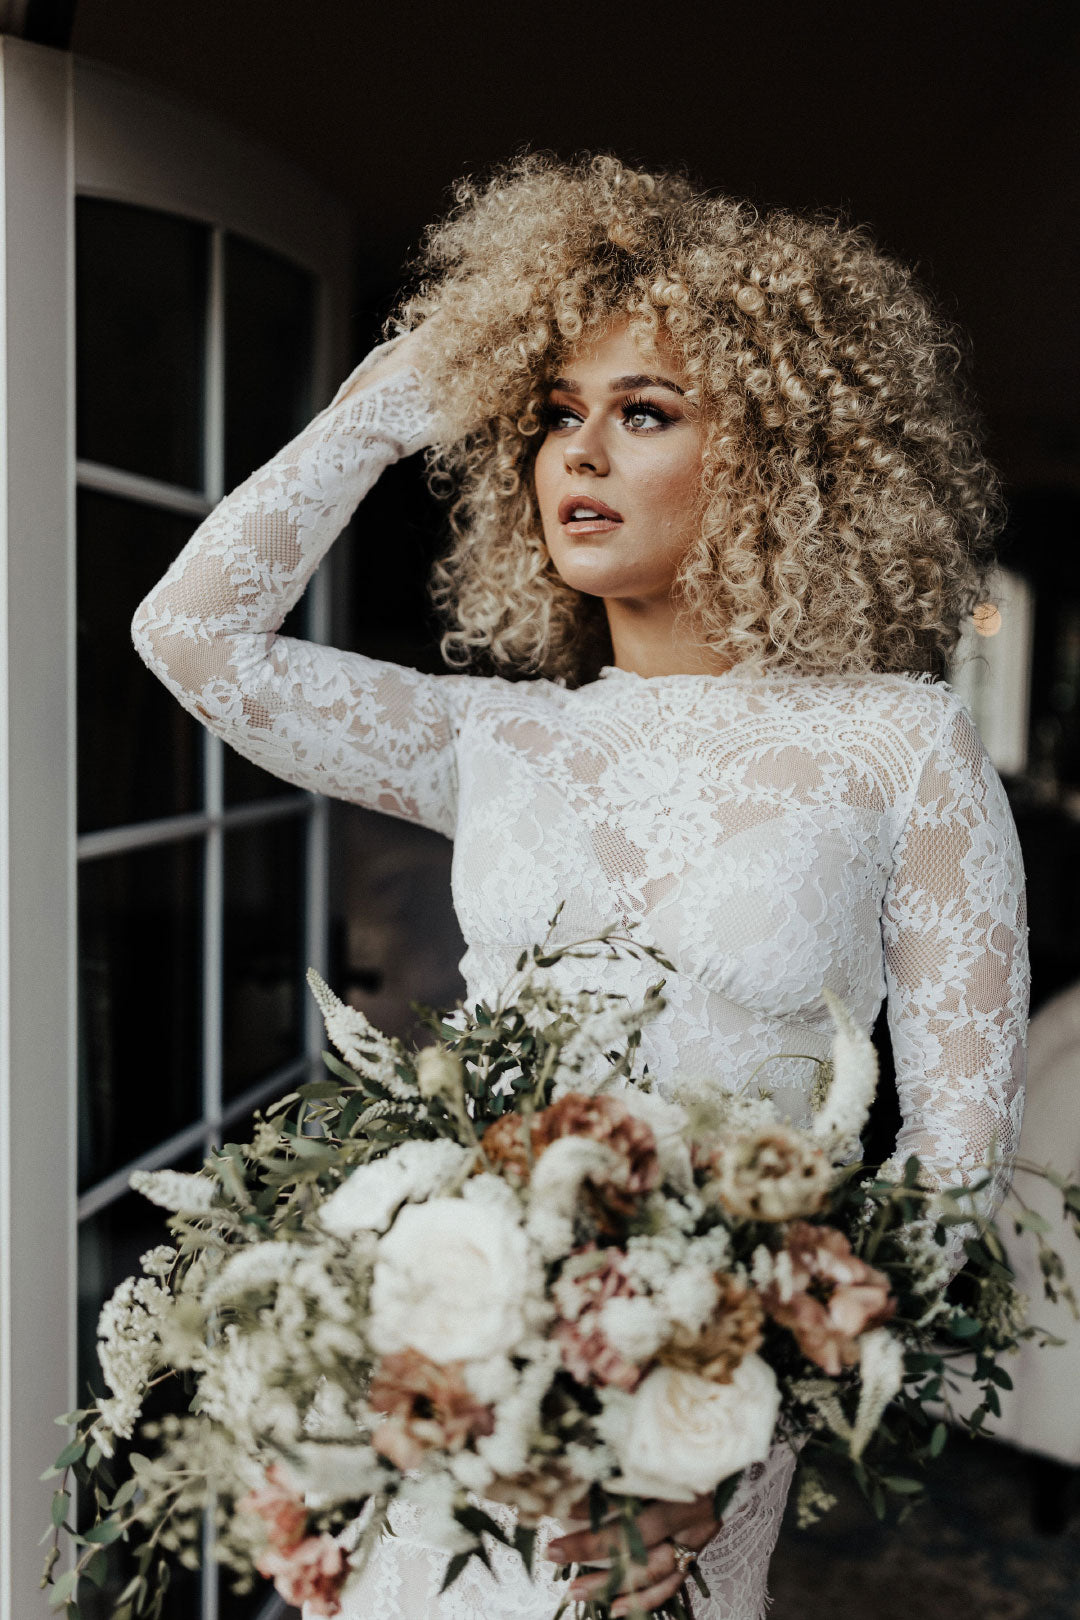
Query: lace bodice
774	835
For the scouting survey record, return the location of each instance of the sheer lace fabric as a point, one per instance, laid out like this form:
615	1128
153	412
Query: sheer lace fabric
402	1577
774	835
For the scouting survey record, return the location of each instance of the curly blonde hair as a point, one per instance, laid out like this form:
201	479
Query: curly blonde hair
847	508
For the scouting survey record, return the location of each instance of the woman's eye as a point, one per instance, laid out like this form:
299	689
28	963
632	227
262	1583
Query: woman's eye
557	416
641	414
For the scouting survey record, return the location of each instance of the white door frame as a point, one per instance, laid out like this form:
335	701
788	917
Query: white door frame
70	126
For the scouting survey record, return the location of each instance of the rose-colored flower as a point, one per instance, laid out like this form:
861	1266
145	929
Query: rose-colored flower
280	1509
586	1352
601	1119
769	1175
313	1573
734	1331
543	1493
848	1297
504	1147
427	1405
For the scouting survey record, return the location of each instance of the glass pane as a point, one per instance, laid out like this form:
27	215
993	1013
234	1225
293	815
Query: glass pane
269	343
264	899
140	1002
269	347
142	279
110	1244
140	753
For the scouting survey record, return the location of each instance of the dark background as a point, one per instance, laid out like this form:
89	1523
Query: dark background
950	128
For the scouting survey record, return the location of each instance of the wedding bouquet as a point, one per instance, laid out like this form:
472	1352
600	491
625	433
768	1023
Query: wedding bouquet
505	1276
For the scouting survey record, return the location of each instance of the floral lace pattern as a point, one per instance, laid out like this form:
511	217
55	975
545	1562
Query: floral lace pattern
402	1576
773	835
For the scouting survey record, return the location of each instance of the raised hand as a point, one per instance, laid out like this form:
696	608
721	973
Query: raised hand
411	351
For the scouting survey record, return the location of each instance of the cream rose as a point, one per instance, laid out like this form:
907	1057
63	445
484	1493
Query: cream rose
451	1280
367	1199
678	1435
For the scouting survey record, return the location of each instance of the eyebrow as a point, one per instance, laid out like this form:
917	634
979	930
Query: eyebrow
621	385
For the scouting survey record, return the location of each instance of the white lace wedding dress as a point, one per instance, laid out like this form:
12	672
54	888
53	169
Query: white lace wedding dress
773	835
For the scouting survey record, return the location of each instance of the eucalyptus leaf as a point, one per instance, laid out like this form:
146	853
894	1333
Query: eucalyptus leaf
103	1534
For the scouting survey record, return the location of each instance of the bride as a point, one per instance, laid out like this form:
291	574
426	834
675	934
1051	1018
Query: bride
715	491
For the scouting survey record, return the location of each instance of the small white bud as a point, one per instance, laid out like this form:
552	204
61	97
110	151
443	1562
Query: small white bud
439	1074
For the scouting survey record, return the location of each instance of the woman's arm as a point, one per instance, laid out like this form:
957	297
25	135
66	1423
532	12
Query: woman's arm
338	723
956	964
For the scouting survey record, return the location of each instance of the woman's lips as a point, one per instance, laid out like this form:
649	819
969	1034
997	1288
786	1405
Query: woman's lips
597	518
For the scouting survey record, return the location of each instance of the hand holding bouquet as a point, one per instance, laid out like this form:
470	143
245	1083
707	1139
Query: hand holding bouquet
506	1279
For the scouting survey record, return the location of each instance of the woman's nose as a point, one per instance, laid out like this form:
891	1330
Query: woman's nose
586	454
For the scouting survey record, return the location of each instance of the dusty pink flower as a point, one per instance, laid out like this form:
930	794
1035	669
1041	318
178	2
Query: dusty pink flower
586	1352
833	1296
280	1509
601	1119
313	1573
427	1405
606	1119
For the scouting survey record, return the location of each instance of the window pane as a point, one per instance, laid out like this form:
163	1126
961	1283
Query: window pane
269	343
142	281
140	1002
269	346
140	753
264	897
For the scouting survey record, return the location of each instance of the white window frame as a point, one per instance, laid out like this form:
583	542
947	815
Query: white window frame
70	127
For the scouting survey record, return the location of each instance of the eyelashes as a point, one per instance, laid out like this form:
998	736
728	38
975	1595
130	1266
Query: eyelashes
552	417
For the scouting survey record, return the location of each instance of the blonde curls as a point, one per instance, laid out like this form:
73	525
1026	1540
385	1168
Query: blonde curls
847	508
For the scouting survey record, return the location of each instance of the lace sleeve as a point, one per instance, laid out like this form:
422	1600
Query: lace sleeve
339	723
956	964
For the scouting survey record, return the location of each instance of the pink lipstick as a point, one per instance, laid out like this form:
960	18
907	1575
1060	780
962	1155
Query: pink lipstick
583	514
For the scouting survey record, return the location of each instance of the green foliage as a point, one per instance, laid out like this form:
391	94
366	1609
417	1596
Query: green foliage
508	1055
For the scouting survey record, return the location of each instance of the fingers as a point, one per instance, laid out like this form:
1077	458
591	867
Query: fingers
661	1564
640	1596
649	1597
660	1520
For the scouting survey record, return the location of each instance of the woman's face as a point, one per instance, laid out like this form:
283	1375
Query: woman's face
618	474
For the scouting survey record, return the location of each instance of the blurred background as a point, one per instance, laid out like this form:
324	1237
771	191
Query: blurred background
209	211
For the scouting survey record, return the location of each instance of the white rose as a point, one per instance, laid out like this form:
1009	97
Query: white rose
451	1280
633	1326
679	1435
366	1201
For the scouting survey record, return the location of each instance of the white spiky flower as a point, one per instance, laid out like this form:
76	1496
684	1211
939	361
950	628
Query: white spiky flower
839	1122
881	1374
184	1192
364	1048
